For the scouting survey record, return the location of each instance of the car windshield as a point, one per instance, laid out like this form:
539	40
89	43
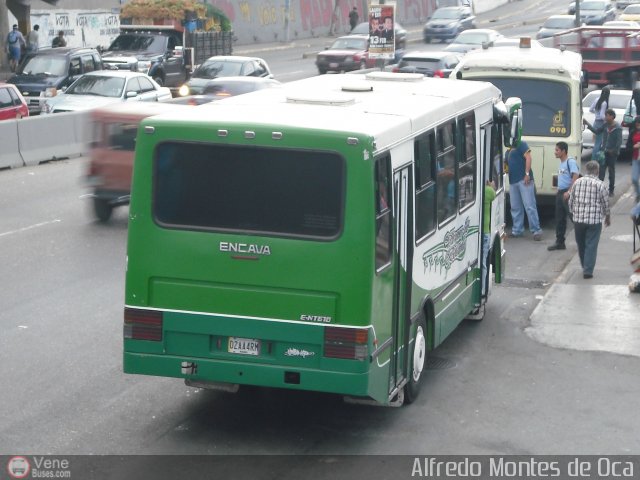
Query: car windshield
101	86
446	13
149	43
472	38
55	65
430	63
559	23
617	100
349	44
217	68
546	104
592	5
632	9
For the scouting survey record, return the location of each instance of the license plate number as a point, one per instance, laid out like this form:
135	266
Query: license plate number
244	346
333	65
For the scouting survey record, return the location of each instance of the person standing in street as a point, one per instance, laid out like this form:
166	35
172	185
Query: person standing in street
353	18
611	142
589	205
489	197
59	41
522	192
15	42
598	108
567	175
33	39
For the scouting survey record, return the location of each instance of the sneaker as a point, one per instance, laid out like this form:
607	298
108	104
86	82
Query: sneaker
537	236
557	246
587	276
515	235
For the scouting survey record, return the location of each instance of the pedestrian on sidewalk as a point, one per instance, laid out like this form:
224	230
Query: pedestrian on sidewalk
33	39
598	108
589	205
353	18
567	175
522	192
635	158
611	143
15	43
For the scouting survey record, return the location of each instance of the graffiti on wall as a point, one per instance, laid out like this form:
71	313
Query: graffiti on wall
81	28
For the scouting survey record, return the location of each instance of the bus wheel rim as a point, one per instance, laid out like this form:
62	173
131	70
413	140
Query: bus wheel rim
419	352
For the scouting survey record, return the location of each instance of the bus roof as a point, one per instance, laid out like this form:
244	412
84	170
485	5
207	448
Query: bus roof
522	60
383	106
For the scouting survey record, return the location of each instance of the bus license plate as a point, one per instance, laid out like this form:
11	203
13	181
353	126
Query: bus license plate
244	346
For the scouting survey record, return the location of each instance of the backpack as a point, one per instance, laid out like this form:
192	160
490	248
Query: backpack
13	37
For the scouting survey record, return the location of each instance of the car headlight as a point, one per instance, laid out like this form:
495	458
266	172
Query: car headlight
46	108
184	90
143	66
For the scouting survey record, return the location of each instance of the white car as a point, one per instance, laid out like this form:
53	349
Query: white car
102	87
618	101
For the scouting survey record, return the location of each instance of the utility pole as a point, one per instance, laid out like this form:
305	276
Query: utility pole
577	22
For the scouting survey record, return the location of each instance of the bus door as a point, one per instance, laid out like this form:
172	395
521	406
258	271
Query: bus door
403	255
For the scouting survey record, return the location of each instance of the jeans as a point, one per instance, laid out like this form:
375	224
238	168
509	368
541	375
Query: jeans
562	210
587	238
597	138
486	244
610	160
635	177
523	199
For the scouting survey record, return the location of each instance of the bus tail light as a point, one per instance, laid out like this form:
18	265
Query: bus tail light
347	343
142	324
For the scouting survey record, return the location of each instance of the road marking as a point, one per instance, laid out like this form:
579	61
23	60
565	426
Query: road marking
30	227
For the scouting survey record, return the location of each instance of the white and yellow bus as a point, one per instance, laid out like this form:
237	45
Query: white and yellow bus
549	82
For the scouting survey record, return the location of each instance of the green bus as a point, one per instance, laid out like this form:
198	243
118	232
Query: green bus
324	236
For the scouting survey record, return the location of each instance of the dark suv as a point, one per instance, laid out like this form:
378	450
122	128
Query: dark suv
158	53
41	74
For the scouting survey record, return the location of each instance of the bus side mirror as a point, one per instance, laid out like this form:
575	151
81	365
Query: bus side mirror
513	134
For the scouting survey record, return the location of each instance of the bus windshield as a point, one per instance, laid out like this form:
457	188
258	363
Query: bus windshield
268	191
546	104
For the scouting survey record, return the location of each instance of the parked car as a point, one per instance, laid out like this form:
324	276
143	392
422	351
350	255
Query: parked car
399	33
430	64
224	66
618	101
96	89
621	23
472	39
596	12
555	24
12	103
447	22
43	73
631	13
345	54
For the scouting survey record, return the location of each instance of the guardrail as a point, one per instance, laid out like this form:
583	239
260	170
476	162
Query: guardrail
33	140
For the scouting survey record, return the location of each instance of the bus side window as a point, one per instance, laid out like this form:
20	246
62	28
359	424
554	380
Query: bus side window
446	172
383	212
467	161
425	164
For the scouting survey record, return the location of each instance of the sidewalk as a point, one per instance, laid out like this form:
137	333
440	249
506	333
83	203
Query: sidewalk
599	314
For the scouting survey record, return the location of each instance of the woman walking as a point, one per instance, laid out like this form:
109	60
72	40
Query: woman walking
599	107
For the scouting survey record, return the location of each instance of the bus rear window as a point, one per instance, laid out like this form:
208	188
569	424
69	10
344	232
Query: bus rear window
281	192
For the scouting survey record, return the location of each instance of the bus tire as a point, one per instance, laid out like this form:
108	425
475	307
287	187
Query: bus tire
418	361
102	209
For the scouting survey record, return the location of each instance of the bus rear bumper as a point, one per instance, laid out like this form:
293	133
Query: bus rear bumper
219	371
